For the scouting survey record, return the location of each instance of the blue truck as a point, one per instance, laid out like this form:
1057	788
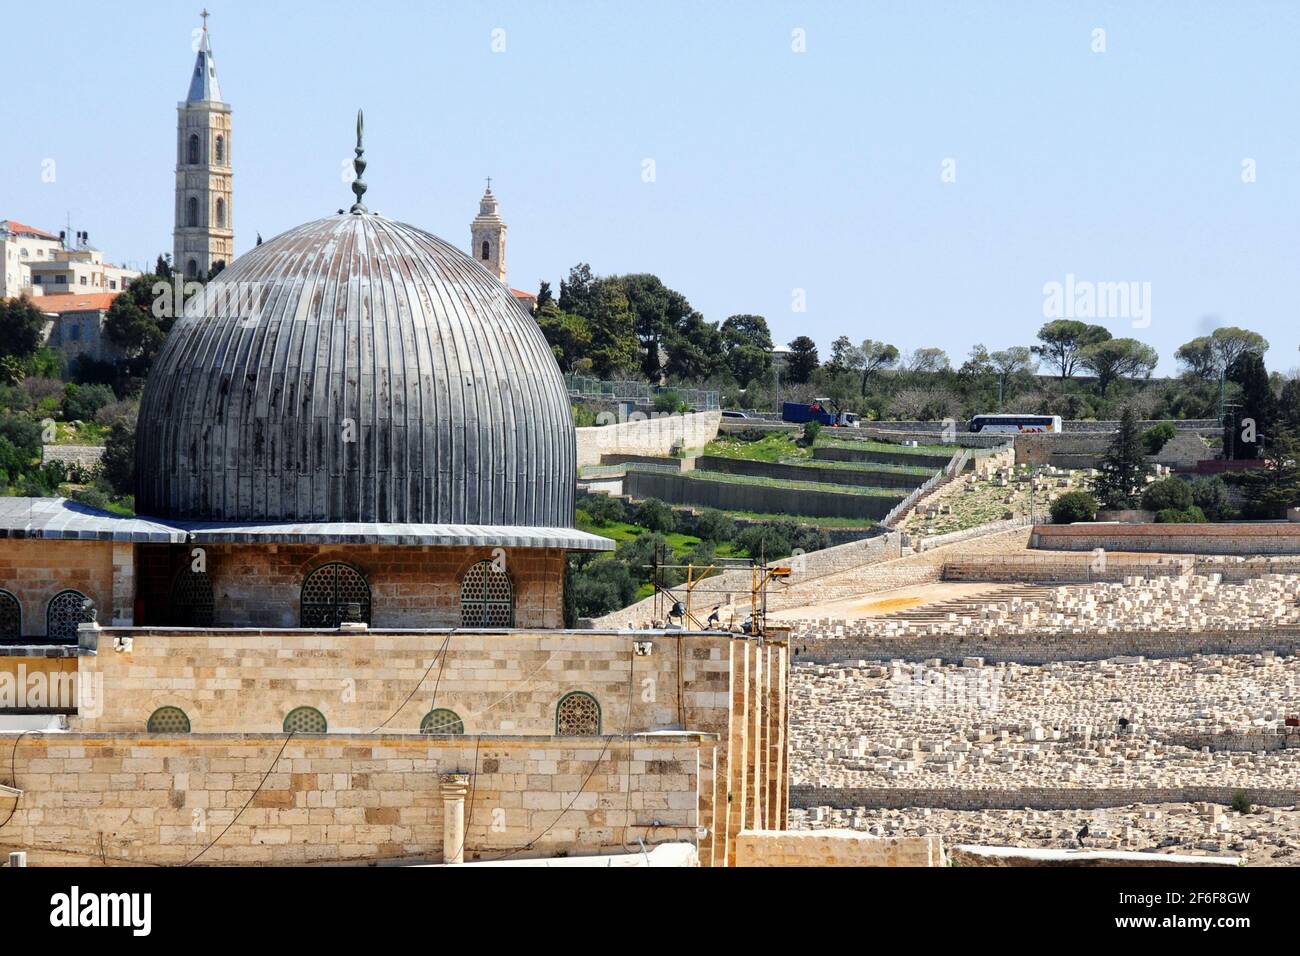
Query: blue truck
821	410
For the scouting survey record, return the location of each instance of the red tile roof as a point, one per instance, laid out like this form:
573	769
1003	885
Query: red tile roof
23	229
75	302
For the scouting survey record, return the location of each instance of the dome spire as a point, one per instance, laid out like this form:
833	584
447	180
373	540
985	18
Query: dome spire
359	164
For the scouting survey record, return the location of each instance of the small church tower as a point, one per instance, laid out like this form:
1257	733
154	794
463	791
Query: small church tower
487	236
204	234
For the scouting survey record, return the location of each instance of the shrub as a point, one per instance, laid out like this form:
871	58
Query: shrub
1074	506
1167	494
118	463
670	402
654	515
811	432
1157	436
1240	802
640	553
1210	494
603	585
765	541
81	402
1189	515
714	525
604	509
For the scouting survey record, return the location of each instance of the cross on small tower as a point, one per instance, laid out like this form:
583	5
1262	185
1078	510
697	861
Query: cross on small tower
204	15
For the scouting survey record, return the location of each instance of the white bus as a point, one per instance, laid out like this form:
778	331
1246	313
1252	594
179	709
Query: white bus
1015	424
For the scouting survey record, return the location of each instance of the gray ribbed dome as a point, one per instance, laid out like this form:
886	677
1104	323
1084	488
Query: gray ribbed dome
356	327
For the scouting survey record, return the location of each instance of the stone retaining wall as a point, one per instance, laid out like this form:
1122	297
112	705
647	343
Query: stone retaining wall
1041	649
866	477
93	798
1033	798
764	499
835	848
1227	538
652	436
867	456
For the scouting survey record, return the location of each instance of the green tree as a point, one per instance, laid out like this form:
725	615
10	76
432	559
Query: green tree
1229	343
871	357
613	338
1198	358
1063	340
21	325
1074	506
1118	358
662	316
1269	491
601	586
1123	470
1253	424
802	362
1167	493
568	335
695	350
118	462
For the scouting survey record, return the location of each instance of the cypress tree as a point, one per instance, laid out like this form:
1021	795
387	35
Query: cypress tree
1123	469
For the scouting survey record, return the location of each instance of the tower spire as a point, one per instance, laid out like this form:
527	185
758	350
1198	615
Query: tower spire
359	164
203	82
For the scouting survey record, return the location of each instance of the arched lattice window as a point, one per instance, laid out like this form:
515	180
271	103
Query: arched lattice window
221	211
442	721
305	720
577	715
332	593
192	604
66	610
168	720
192	153
485	250
192	211
11	617
487	598
221	150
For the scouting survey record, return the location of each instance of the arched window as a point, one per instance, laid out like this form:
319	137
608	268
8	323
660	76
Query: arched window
192	153
221	150
192	211
577	715
487	599
66	610
485	250
305	720
334	593
442	721
11	617
192	604
221	211
168	720
192	269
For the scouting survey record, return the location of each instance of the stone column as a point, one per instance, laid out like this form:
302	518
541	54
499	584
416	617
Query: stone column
454	787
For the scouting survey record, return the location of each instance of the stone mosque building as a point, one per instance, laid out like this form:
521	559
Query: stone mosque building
335	629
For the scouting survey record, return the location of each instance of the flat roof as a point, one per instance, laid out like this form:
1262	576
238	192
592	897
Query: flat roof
60	518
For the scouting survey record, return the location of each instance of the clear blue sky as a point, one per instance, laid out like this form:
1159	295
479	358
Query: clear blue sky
775	170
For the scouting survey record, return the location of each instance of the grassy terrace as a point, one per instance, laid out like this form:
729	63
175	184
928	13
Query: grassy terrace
620	531
866	444
790	485
777	448
868	466
829	524
772	447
